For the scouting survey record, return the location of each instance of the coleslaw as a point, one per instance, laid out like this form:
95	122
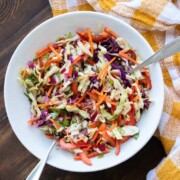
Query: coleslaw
81	93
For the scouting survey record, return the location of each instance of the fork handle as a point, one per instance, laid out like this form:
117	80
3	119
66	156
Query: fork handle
36	172
168	50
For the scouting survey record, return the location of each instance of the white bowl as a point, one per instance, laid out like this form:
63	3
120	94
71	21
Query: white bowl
18	108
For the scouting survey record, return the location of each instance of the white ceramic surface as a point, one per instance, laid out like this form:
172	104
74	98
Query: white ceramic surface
17	105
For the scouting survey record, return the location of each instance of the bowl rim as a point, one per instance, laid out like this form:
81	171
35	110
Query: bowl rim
81	13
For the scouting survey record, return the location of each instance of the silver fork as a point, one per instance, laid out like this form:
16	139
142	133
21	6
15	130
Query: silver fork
168	50
36	172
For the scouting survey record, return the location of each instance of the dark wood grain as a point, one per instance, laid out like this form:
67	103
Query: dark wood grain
17	18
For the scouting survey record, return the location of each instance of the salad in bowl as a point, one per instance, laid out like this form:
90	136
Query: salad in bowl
82	94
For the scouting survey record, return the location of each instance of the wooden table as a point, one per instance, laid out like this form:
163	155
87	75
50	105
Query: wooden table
17	18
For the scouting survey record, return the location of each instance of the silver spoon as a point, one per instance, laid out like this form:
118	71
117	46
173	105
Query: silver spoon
168	50
36	172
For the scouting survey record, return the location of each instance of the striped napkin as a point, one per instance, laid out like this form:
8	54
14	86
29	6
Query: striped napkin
159	22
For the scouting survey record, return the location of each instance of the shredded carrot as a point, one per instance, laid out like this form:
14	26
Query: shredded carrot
77	59
91	62
104	69
108	138
125	138
146	74
104	88
42	105
42	51
49	91
113	108
96	92
74	87
124	51
90	40
95	136
110	102
55	52
69	137
24	73
84	41
94	124
107	99
77	157
59	49
82	98
93	154
137	82
110	32
70	71
148	81
93	96
98	38
102	127
87	149
40	62
134	89
49	136
114	121
122	54
48	79
47	63
90	155
135	99
31	121
56	125
41	89
117	151
101	100
119	120
98	141
113	126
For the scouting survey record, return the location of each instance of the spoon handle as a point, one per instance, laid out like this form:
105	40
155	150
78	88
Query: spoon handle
168	50
36	172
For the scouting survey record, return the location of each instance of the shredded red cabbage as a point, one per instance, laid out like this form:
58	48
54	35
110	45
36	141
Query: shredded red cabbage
95	55
71	59
102	147
44	123
53	79
46	99
44	114
122	72
84	131
146	103
111	45
75	75
64	50
93	117
63	70
31	64
93	79
82	65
